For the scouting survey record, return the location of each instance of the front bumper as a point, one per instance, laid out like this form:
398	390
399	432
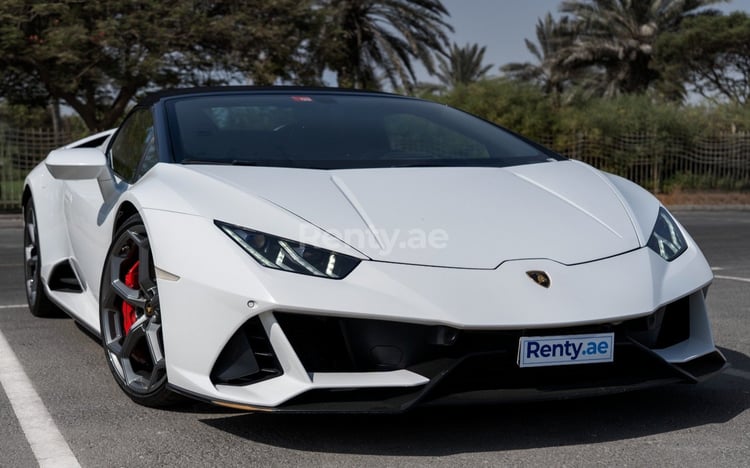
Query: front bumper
362	365
212	303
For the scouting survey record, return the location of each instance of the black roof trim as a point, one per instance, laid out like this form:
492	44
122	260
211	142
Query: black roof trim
152	98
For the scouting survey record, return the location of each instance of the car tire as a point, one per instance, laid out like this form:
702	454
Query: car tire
39	303
130	318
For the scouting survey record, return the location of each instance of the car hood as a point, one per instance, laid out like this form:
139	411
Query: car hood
462	217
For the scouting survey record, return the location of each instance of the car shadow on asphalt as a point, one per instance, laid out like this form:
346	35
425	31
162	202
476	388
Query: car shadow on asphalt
451	430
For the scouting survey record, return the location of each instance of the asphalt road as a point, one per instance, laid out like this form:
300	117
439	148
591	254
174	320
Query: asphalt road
682	425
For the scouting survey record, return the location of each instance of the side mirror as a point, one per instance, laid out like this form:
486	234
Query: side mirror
76	163
82	164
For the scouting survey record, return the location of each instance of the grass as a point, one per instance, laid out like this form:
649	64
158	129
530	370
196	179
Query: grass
10	193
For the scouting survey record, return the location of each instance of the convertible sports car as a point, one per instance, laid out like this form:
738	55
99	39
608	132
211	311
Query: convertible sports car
300	249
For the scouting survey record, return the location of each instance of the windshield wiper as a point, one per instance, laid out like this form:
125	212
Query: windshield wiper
205	161
241	162
418	164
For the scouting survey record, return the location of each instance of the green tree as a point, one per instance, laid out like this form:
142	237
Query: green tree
616	38
363	41
711	54
99	56
521	107
264	41
463	66
19	116
553	37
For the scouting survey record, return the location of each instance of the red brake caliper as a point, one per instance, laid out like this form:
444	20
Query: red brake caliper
128	311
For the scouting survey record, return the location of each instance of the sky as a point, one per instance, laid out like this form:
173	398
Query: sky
502	25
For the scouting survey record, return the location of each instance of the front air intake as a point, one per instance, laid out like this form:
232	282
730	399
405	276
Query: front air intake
247	357
664	328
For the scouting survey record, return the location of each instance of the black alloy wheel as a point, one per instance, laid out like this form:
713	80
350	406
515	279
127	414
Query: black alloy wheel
130	315
39	304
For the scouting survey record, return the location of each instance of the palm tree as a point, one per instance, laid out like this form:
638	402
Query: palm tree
365	41
463	65
616	38
553	37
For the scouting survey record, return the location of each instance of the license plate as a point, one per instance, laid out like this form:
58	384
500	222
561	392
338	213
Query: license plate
538	351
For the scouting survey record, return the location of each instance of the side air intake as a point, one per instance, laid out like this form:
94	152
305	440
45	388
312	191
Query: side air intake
62	278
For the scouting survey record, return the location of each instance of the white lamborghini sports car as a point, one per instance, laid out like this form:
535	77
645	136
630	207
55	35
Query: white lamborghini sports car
297	249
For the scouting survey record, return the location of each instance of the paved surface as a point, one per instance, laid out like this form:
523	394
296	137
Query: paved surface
705	425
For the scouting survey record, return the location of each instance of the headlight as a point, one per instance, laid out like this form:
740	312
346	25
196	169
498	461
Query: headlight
666	239
287	255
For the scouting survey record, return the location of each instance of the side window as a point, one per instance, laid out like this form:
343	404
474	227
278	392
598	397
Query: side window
134	140
150	156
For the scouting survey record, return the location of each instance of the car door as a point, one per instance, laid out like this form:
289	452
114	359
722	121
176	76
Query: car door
89	215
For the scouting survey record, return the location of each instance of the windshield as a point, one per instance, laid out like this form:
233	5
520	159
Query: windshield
338	131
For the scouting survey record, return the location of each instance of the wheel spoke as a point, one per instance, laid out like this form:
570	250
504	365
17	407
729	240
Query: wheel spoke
154	348
31	258
112	331
129	295
154	301
133	378
144	262
31	229
136	333
152	339
113	346
144	329
140	240
157	374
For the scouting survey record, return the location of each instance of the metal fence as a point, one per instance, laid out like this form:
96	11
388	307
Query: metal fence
20	151
657	162
663	163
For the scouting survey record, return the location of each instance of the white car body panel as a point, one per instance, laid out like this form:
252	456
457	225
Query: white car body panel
395	203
